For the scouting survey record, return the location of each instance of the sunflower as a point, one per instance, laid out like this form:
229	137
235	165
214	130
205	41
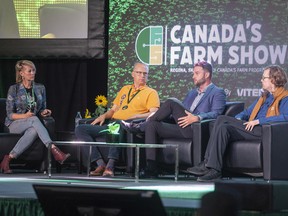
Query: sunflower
101	100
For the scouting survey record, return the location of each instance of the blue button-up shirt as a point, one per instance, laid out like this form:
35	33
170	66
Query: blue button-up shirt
261	115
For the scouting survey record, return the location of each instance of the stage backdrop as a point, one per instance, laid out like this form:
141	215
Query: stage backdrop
239	38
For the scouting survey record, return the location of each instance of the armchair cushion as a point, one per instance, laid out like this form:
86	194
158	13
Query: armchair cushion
251	150
167	155
266	157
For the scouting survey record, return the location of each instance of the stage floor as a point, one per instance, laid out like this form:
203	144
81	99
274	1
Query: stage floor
184	193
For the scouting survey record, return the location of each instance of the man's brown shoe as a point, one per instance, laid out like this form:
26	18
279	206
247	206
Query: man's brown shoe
98	171
109	172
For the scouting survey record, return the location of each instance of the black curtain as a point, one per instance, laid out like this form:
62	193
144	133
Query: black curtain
71	85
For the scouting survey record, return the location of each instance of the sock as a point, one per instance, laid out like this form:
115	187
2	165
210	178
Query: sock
101	162
110	163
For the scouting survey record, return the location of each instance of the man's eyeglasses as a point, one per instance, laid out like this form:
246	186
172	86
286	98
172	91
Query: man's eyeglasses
263	78
141	73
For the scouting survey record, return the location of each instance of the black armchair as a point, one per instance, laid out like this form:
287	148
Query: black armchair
191	151
266	158
35	157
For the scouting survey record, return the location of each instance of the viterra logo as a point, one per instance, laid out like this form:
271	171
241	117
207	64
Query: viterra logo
149	45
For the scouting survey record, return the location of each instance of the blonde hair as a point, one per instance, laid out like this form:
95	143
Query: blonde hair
19	66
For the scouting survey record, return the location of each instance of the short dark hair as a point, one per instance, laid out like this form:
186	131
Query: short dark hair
205	65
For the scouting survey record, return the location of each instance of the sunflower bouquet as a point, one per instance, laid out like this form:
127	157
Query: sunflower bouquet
101	105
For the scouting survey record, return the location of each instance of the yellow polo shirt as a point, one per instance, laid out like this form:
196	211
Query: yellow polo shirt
145	98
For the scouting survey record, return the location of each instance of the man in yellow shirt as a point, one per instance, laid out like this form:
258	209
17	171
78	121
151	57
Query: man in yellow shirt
132	102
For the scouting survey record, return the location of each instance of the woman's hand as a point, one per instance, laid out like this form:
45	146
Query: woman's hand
28	114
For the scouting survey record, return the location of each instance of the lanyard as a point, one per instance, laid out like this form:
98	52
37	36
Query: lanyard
30	99
130	99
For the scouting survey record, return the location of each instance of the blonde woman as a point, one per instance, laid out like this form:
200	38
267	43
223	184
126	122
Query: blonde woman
26	100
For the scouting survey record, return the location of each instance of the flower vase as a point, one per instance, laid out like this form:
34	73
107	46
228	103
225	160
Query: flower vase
112	138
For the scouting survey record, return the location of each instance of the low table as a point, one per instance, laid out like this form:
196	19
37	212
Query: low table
137	147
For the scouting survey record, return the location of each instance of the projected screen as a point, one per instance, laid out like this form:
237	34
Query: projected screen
43	19
239	38
52	29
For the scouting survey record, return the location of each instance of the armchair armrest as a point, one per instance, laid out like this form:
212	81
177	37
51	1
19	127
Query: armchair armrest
201	134
139	120
275	148
87	120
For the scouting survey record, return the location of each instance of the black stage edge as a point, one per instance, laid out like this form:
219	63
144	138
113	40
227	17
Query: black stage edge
263	196
256	197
